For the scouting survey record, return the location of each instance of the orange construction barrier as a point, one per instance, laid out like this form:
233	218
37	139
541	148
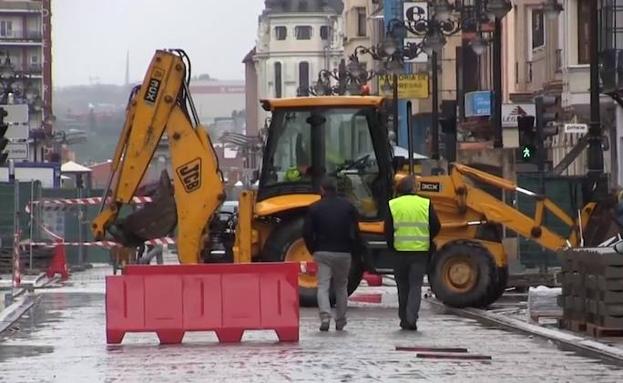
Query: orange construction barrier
59	262
225	298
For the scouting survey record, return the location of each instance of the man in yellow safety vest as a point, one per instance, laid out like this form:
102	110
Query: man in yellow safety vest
410	227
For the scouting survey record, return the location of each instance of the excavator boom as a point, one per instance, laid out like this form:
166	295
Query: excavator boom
161	106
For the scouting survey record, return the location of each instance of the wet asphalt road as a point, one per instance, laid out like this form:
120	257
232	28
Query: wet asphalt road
62	339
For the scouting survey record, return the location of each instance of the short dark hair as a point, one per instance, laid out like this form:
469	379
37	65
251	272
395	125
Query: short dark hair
406	185
329	185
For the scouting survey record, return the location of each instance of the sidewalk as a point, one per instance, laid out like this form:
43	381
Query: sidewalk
509	312
14	302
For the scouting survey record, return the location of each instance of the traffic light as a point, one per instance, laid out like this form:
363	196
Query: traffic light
3	140
527	138
546	124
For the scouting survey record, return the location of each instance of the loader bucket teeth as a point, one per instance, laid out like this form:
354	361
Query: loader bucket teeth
154	220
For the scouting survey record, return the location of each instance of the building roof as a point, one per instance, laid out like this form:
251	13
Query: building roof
302	102
248	58
303	6
73	167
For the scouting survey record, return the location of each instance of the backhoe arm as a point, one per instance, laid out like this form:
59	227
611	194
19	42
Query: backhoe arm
455	189
158	107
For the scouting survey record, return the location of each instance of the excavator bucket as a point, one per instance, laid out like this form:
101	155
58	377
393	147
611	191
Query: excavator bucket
154	220
604	222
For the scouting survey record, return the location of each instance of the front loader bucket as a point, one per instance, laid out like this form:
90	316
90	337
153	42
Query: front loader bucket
603	223
155	220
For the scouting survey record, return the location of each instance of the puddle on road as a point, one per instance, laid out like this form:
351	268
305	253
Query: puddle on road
49	310
8	352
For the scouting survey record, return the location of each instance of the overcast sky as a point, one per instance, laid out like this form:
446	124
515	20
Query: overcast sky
90	38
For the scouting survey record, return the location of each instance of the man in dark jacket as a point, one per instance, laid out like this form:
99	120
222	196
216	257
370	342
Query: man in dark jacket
331	234
410	227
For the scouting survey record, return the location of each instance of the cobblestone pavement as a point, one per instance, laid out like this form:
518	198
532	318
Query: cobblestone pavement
62	339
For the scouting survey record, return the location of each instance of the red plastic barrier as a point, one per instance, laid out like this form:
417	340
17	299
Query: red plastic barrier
373	279
225	298
59	263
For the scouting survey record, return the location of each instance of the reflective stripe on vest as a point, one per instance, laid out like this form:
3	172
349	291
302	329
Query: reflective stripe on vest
410	215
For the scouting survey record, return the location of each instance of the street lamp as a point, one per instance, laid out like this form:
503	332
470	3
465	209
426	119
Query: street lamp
478	45
348	78
552	9
446	20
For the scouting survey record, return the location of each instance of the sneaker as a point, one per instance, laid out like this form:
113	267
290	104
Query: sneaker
339	326
324	325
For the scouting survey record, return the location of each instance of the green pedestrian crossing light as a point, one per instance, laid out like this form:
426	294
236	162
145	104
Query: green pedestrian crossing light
527	137
527	153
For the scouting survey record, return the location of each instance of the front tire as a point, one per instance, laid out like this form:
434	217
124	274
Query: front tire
285	243
464	275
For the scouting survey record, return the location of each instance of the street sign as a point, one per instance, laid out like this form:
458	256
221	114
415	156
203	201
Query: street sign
478	103
16	113
421	57
576	128
510	112
410	85
415	10
17	150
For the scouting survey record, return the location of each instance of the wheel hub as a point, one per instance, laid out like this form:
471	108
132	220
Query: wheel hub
297	252
459	274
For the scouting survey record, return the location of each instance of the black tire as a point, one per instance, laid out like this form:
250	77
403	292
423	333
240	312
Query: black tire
276	248
501	283
485	281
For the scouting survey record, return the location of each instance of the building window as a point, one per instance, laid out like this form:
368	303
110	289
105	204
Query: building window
538	29
303	32
304	78
584	8
6	28
278	80
361	21
324	32
281	33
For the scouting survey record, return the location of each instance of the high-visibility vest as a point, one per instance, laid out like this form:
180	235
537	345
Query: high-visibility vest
410	215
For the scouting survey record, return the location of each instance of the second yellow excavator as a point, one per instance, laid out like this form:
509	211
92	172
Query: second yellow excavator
310	138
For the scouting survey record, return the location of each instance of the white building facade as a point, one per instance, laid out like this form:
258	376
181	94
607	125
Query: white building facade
296	40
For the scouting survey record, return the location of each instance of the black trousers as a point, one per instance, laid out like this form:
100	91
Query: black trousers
409	271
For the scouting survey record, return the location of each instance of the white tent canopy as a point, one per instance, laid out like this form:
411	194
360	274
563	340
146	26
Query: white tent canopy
73	167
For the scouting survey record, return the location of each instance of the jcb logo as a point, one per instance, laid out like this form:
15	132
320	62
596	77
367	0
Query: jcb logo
190	175
430	187
151	95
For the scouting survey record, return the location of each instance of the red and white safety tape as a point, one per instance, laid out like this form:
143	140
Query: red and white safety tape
105	244
17	273
69	203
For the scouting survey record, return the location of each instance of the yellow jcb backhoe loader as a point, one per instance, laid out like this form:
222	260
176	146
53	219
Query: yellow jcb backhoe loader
308	138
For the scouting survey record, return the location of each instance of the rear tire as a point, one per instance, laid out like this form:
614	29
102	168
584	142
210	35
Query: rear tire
464	275
286	238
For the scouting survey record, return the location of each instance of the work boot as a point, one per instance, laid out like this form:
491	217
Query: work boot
339	325
408	326
324	325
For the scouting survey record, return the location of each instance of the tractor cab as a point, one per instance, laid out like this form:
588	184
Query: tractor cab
314	137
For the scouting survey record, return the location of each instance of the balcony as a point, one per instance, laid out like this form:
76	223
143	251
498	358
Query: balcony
33	69
21	36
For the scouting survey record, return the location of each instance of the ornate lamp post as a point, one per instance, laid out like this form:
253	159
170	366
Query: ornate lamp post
447	19
346	79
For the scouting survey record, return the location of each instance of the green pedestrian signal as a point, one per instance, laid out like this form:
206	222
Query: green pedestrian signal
527	153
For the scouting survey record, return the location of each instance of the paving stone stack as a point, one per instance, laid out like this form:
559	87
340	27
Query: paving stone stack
592	291
573	296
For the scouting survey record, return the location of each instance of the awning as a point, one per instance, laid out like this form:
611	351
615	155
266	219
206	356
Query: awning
74	167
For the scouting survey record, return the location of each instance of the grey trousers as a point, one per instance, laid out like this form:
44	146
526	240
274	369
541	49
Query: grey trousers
409	270
332	267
